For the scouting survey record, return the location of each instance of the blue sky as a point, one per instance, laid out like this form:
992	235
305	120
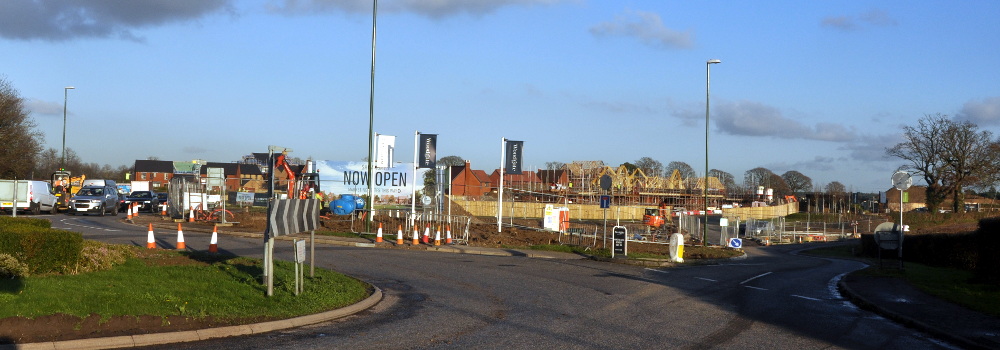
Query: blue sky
821	87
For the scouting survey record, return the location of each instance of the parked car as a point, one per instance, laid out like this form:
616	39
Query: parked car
95	199
147	200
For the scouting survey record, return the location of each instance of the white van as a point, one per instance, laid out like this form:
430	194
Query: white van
29	195
99	182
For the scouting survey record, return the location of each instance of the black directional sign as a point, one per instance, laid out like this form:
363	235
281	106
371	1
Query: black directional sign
288	216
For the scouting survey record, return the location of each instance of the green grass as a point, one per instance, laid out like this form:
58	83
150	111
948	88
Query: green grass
954	285
226	287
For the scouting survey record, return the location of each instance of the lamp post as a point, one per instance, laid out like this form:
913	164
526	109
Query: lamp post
704	188
65	98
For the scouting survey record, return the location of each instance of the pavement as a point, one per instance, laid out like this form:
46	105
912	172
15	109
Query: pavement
890	297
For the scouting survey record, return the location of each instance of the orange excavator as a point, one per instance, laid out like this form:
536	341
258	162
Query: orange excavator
281	165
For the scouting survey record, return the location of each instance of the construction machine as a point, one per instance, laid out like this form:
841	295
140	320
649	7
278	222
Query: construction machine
64	185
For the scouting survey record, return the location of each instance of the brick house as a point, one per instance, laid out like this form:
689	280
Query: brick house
466	181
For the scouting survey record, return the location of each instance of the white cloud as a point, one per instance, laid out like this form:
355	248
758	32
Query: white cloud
645	26
982	113
44	107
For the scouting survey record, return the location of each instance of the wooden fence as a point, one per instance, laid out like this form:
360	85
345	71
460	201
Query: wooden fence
595	212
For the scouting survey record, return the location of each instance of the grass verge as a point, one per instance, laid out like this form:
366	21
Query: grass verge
954	285
167	283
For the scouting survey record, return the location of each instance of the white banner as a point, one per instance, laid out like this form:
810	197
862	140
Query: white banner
384	151
391	184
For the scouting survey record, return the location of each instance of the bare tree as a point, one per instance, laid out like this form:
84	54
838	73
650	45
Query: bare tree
758	176
22	143
836	188
686	171
949	155
650	166
727	180
971	158
796	181
554	165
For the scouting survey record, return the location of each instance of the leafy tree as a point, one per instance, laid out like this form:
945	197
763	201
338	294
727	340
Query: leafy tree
629	166
650	166
22	143
796	181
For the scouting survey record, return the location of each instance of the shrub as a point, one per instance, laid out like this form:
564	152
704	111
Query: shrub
10	267
97	256
40	223
43	249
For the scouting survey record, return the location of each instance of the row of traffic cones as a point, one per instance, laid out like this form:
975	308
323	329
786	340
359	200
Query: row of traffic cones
416	239
213	246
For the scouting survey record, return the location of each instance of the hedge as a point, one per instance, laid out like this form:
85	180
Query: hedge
43	249
988	240
976	251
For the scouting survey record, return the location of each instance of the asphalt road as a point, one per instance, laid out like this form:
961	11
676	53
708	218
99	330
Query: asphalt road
772	299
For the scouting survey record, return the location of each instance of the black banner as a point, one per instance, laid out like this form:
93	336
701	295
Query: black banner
512	164
427	148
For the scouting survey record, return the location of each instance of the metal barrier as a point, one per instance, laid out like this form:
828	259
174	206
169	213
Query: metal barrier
393	220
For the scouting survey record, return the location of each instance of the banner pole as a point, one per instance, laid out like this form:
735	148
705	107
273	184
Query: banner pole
413	184
503	160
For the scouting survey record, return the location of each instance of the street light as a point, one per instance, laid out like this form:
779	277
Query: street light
704	188
65	98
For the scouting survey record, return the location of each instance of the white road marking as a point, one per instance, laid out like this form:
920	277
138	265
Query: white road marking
755	277
706	279
757	288
655	270
806	298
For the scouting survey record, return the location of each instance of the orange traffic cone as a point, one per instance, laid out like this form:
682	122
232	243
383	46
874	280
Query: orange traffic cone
427	234
437	236
150	242
213	246
416	236
447	239
163	209
180	237
128	211
135	212
378	236
399	236
191	215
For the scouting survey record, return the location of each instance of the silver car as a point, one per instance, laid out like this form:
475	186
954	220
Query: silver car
95	199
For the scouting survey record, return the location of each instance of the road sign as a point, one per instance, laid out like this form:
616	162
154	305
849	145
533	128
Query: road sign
605	202
901	180
619	236
606	182
735	243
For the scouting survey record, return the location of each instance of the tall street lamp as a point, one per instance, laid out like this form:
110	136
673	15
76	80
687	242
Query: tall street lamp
65	98
704	188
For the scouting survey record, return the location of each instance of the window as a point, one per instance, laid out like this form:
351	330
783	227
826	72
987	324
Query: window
142	176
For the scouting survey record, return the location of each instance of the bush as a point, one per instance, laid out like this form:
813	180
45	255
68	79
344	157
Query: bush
97	256
43	249
10	267
40	223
